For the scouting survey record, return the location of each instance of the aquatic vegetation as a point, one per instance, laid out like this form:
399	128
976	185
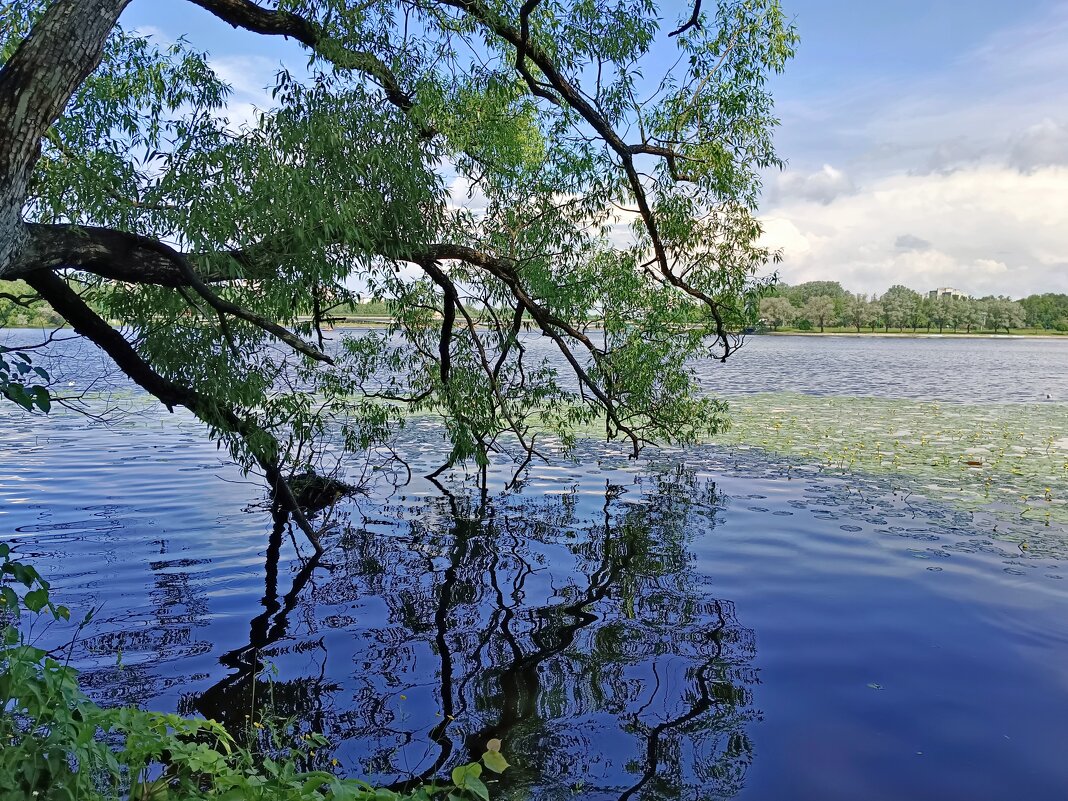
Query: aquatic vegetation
1010	460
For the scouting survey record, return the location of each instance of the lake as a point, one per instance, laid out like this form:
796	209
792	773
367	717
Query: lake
739	619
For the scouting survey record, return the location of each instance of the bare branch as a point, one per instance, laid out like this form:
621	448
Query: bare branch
693	22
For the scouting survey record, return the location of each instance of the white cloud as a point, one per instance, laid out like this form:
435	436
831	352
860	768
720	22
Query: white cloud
1004	98
152	32
822	186
987	229
955	177
1041	145
911	242
250	78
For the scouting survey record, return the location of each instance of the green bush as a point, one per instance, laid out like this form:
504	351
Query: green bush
57	745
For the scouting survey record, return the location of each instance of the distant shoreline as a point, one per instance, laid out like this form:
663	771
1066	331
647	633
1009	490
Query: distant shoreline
383	322
917	334
377	322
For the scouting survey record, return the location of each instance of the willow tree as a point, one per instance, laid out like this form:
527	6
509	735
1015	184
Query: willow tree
615	212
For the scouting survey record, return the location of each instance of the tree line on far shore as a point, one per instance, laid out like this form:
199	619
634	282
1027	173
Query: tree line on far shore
811	306
822	304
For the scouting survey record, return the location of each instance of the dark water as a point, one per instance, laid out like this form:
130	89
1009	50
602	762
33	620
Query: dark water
702	624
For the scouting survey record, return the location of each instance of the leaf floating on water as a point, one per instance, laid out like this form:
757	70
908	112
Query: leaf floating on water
495	761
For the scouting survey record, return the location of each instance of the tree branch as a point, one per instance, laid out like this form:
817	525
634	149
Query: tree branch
87	323
64	46
573	97
123	256
693	22
255	18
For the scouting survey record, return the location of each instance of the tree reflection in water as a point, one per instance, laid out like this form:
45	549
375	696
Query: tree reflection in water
571	626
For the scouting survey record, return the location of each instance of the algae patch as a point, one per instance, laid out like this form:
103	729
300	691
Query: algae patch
1010	460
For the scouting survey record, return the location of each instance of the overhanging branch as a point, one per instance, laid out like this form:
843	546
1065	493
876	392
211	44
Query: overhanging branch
87	323
255	18
123	256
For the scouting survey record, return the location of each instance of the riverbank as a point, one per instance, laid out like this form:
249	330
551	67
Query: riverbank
844	332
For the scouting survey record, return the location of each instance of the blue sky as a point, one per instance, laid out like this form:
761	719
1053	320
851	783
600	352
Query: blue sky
927	142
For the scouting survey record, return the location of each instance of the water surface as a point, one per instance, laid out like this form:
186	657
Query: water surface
706	623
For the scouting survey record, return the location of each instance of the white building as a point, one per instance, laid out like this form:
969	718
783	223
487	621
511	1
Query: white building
946	291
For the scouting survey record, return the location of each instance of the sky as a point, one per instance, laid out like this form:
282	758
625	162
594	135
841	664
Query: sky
927	145
926	142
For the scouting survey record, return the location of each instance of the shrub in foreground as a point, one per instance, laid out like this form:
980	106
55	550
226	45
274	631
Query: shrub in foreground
57	745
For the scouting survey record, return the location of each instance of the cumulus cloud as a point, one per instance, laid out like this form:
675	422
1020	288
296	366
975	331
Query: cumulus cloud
953	176
998	231
249	76
152	32
1040	145
822	186
910	242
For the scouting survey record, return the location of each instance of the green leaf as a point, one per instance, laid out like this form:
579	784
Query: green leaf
466	777
495	761
462	772
42	399
35	600
9	599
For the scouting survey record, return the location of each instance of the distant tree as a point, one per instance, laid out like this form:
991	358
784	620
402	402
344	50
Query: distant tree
21	307
1045	311
972	314
919	314
875	314
802	293
777	311
943	311
859	311
1015	314
1004	313
900	306
818	310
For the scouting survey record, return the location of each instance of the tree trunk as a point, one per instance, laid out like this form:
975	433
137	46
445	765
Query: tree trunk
36	83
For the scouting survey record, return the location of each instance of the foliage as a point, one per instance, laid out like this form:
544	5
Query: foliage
20	308
1049	310
777	311
800	294
59	745
17	371
354	180
818	310
900	307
